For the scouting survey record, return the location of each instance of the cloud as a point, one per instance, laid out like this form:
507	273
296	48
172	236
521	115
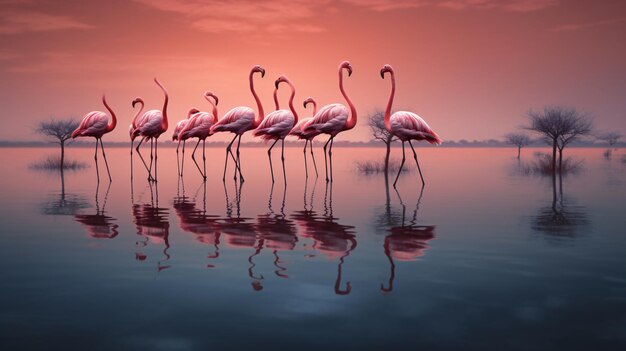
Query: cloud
505	5
578	26
23	21
285	16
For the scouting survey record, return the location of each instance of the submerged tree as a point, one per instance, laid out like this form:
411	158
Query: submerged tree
376	122
611	138
60	131
519	140
560	126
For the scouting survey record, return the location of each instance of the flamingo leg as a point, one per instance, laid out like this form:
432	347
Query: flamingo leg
401	165
156	143
306	168
105	159
313	157
416	162
226	160
239	161
178	158
193	157
330	157
95	157
131	160
142	159
325	158
151	159
269	155
182	161
204	156
282	158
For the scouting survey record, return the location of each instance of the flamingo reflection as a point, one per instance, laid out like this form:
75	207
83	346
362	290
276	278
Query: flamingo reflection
407	241
330	238
99	225
196	221
152	224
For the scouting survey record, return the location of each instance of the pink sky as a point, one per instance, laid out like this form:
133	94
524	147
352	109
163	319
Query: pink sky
470	68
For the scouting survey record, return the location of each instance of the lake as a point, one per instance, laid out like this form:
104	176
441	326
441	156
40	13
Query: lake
487	256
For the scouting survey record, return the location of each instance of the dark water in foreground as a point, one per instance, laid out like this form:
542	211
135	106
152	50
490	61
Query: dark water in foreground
483	259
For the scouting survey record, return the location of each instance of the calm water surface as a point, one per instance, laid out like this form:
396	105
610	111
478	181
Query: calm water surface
484	258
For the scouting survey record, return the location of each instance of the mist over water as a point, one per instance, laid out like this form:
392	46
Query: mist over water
484	255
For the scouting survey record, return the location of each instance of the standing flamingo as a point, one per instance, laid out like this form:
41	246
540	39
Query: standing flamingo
277	125
238	121
176	136
96	124
299	131
131	128
406	126
199	126
151	125
334	118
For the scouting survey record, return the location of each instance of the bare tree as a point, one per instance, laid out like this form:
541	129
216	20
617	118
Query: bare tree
376	122
517	139
610	138
60	131
560	126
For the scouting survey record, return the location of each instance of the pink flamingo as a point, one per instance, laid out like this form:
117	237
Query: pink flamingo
334	118
96	124
406	126
277	125
150	126
238	121
176	136
299	131
199	126
131	128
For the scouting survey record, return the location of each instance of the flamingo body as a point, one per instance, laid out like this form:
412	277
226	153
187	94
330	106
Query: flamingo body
179	128
199	126
330	119
149	124
94	124
238	121
276	125
409	126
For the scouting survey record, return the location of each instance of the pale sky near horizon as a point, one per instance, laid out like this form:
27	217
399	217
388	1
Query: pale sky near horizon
470	68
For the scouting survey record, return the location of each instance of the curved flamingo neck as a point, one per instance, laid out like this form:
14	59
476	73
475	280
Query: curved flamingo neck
293	110
134	122
261	114
165	101
276	99
390	102
214	107
351	121
113	123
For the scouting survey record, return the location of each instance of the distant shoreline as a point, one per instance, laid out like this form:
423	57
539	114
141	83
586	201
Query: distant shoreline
299	144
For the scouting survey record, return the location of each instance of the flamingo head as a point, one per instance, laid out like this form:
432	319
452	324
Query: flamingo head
192	111
308	100
209	94
346	65
385	69
137	100
258	68
280	80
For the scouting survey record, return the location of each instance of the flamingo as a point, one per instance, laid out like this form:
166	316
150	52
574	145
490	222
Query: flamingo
278	124
151	125
199	126
96	124
238	121
298	130
176	136
333	119
131	128
406	126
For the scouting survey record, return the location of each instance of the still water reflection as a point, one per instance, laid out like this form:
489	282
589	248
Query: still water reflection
467	262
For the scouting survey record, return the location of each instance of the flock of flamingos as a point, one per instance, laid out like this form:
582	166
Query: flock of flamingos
331	120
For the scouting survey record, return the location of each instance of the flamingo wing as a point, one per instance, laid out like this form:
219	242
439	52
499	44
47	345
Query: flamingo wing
93	124
411	126
179	128
150	122
299	128
277	123
238	119
199	126
330	119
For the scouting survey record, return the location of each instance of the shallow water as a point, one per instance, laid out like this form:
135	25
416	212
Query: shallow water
485	257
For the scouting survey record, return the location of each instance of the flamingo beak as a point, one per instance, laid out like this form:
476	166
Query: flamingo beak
216	100
304	104
262	72
349	71
276	83
382	73
134	103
